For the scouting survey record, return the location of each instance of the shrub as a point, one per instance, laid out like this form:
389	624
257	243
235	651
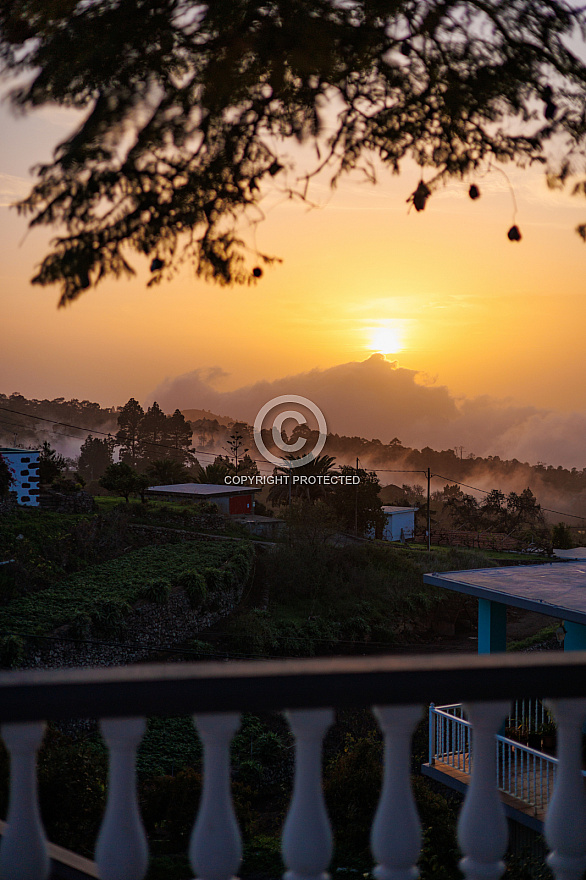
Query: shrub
10	574
194	585
561	537
158	590
169	745
352	785
262	857
11	651
72	790
168	867
169	806
352	782
81	625
214	579
237	569
107	615
251	773
439	852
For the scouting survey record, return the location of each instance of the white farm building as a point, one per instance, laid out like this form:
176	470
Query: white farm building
399	523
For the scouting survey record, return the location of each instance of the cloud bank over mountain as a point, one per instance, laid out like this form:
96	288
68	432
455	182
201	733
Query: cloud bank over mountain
376	398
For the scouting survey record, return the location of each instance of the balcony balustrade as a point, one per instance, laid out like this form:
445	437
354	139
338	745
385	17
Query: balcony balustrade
526	774
215	693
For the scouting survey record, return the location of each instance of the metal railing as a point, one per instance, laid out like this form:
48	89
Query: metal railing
524	772
449	737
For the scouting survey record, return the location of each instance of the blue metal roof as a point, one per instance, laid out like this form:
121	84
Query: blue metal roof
557	589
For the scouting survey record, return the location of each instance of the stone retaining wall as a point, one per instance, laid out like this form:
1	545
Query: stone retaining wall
149	627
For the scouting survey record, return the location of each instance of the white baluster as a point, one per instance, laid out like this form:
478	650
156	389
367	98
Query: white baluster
121	849
482	828
215	849
396	832
23	851
307	835
565	823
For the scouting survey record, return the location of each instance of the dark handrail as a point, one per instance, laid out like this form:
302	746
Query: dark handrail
183	688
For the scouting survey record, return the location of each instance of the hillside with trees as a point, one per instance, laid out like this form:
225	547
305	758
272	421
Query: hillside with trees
167	448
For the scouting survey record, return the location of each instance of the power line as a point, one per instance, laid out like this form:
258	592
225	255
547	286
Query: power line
167	446
488	491
264	462
96	431
169	649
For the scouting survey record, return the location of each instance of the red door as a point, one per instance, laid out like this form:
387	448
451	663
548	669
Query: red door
240	504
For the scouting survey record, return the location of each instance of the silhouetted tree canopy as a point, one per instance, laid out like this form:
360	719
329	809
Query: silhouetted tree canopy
95	456
190	106
6	478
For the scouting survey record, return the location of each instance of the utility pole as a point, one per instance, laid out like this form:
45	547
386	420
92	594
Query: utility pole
428	510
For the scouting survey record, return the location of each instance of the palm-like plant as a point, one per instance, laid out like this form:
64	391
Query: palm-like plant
319	466
167	472
213	473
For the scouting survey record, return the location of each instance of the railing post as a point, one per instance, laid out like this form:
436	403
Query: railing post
215	849
482	827
122	849
431	740
565	823
23	851
307	835
396	831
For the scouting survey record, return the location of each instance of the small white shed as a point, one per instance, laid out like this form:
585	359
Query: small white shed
399	523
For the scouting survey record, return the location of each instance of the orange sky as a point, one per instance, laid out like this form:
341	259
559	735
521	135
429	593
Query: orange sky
444	291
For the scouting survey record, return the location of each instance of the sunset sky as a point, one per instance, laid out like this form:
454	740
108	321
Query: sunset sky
443	293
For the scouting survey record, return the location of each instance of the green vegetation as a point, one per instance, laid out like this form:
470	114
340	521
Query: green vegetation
316	599
562	537
358	598
101	596
544	635
46	546
6	478
485	557
188	516
72	783
194	584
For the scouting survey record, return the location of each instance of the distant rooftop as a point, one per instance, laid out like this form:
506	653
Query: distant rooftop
575	553
257	518
557	589
16	449
205	490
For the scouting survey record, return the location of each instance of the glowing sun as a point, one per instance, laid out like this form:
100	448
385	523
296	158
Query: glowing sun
387	339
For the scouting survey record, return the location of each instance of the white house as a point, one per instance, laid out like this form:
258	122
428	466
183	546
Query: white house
399	523
23	464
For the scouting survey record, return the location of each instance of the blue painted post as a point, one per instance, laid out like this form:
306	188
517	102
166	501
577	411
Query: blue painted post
492	627
575	639
431	734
